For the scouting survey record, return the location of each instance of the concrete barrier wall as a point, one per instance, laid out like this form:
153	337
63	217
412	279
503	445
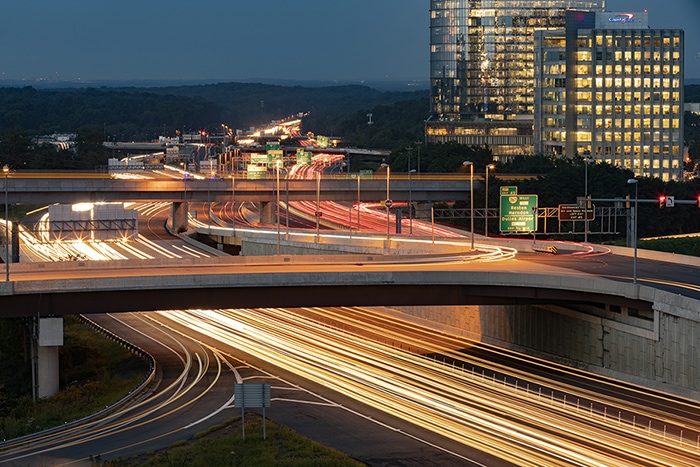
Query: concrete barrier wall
375	245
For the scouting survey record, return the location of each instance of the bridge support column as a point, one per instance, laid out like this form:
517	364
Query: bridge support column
179	215
423	209
50	339
267	212
14	246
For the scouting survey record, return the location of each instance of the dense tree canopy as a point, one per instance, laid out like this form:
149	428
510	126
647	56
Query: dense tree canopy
692	140
397	124
118	113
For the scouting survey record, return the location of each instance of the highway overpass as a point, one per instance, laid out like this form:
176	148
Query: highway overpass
76	190
596	322
295	281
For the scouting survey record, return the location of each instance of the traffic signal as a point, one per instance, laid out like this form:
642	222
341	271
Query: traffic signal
698	198
662	201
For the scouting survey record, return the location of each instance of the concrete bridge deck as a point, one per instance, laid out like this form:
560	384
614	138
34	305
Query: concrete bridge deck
292	281
77	190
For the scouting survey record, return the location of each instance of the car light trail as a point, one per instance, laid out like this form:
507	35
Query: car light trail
38	246
512	424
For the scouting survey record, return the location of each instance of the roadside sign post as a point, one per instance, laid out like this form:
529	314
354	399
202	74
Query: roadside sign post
304	157
518	213
574	212
251	396
577	212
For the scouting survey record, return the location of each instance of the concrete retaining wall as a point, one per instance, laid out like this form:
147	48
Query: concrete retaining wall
661	353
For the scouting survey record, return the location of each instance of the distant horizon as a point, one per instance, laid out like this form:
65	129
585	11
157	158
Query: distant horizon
398	84
358	42
393	85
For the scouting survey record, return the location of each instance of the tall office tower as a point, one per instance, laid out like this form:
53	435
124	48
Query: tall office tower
481	69
610	88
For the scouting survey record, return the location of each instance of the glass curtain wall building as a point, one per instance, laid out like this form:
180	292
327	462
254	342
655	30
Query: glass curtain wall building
482	69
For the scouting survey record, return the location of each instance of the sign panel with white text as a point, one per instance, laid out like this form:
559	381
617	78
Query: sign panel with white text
518	213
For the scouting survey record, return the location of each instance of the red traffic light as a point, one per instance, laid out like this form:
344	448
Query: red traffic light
662	201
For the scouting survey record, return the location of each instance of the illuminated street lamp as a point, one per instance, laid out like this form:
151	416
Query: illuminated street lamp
486	204
635	224
387	202
286	204
586	161
471	194
233	201
279	221
410	203
211	177
358	203
6	171
185	203
318	205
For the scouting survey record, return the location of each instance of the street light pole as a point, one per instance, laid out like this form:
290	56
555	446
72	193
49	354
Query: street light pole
486	203
185	204
279	221
410	203
211	177
318	204
387	202
233	201
471	195
277	167
635	223
585	234
286	207
6	171
358	202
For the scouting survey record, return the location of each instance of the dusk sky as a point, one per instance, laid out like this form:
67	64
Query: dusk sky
228	40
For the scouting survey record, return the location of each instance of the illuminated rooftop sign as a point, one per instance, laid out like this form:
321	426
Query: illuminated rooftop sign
622	18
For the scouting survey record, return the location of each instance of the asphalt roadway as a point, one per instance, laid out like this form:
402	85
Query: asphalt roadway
365	434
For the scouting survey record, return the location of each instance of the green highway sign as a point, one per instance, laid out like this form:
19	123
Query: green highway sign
518	213
258	158
509	190
256	172
303	157
274	155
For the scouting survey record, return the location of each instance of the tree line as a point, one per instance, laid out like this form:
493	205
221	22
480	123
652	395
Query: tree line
396	124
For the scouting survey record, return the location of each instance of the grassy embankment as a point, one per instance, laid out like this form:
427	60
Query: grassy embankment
689	246
224	445
96	372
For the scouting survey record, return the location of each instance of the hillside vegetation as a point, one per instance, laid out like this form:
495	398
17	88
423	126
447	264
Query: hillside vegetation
397	125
